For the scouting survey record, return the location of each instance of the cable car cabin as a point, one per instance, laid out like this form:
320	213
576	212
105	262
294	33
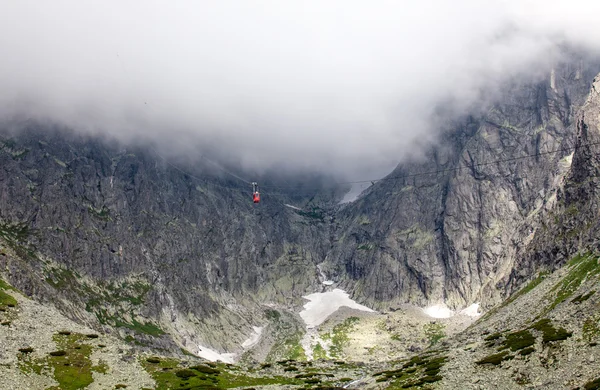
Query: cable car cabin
255	193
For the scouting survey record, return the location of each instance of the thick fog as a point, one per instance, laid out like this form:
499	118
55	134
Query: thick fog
343	87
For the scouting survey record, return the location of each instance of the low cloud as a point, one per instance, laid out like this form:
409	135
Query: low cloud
343	87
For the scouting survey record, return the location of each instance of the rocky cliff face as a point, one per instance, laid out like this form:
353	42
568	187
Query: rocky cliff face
571	226
119	238
117	235
450	229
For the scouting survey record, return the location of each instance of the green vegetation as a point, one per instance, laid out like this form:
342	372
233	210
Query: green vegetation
15	236
315	213
549	332
591	328
319	352
414	373
518	340
582	297
366	247
592	385
493	336
415	237
434	332
339	336
495	359
102	213
528	288
123	297
7	300
61	278
70	364
363	220
290	348
169	373
581	267
527	351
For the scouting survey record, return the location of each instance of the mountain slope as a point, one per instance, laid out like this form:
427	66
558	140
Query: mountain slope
453	234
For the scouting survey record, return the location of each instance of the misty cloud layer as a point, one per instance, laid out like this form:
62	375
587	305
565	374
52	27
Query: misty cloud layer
339	86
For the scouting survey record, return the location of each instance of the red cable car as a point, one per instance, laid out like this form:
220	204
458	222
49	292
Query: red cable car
255	193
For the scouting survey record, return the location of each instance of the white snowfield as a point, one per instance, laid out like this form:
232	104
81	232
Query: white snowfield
213	356
254	339
322	305
442	311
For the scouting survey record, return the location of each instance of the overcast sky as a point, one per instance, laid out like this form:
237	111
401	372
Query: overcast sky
337	85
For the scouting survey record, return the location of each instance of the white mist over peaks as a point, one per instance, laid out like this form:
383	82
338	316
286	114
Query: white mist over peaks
344	87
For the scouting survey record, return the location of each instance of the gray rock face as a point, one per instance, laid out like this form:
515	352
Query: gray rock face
93	222
99	214
571	226
453	233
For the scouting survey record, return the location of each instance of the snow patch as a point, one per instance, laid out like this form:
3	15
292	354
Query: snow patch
253	340
328	282
471	311
292	207
322	305
438	311
442	311
213	355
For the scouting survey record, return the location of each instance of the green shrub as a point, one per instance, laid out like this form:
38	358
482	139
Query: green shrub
549	332
205	369
185	373
527	351
519	340
495	359
592	385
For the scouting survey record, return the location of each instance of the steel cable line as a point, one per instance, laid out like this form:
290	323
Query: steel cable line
305	190
445	170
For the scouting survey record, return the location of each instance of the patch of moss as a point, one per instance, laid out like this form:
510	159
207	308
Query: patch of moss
319	352
549	332
71	365
519	340
493	336
272	315
434	332
591	328
528	288
168	375
7	300
315	213
581	267
339	336
592	385
527	351
205	369
6	286
582	297
185	373
495	359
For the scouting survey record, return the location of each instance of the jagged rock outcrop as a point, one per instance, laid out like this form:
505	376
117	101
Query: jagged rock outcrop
118	234
452	234
572	225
